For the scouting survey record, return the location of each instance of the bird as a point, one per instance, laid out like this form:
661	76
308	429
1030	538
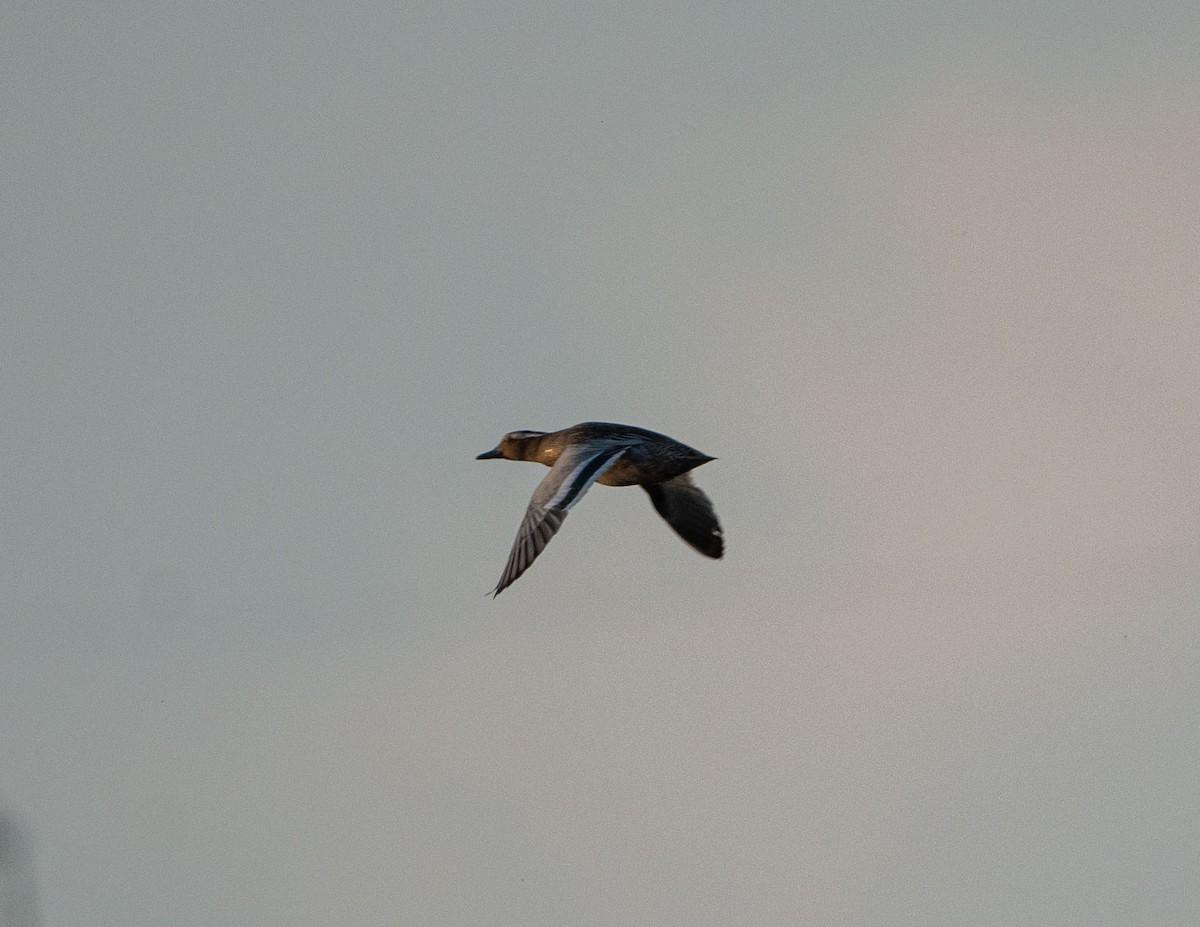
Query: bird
615	455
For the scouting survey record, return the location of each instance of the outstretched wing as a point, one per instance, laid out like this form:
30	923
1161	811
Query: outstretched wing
571	476
688	510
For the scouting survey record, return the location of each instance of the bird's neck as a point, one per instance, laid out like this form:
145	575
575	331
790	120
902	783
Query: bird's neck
544	449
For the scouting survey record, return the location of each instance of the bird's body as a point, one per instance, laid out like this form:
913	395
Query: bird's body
614	455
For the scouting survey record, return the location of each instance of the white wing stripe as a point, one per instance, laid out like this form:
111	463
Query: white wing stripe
584	474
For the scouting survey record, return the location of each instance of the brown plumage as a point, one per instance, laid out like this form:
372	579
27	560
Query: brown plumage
615	455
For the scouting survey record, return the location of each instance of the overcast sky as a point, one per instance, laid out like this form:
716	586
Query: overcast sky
922	276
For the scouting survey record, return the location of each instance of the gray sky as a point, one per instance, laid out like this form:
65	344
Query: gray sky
924	278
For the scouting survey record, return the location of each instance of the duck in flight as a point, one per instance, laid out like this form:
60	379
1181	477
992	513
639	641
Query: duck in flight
615	455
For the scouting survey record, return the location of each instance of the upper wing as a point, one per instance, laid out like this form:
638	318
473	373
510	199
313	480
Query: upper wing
571	476
688	510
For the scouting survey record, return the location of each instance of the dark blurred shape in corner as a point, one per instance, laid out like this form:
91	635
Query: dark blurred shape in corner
18	884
